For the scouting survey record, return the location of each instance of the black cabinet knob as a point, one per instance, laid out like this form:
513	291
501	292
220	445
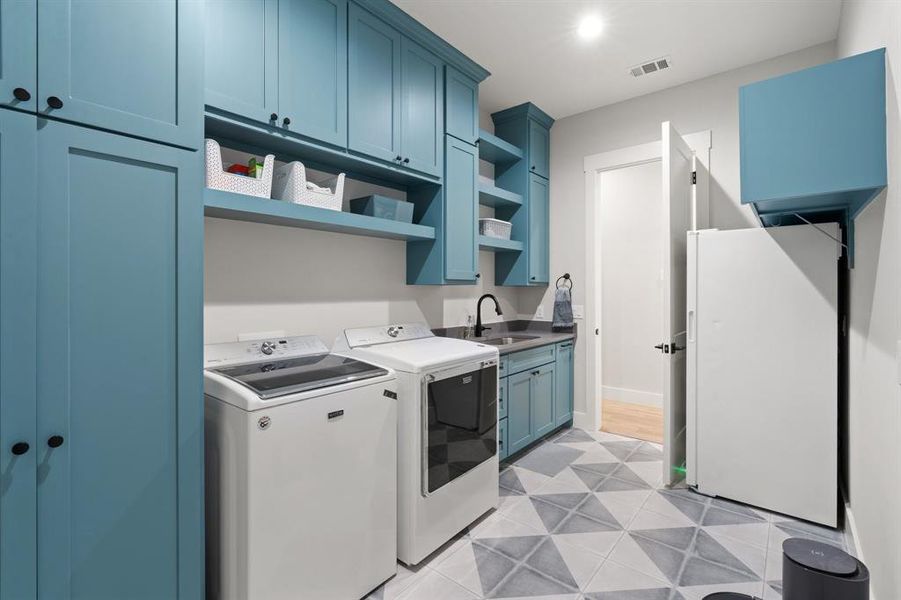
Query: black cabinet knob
55	441
533	167
478	275
273	117
398	157
286	121
406	160
54	102
20	448
532	278
21	94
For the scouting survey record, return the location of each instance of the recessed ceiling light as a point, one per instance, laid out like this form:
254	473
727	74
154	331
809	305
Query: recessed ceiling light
590	27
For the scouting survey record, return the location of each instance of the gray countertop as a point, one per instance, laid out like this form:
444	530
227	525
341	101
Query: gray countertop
541	332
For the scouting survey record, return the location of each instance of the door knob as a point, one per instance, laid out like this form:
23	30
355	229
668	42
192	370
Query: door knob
286	121
20	448
55	441
21	94
54	102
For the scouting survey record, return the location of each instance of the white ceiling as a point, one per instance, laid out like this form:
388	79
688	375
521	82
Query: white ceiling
534	54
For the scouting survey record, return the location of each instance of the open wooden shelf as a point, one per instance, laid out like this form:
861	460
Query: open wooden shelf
240	207
490	244
495	150
493	196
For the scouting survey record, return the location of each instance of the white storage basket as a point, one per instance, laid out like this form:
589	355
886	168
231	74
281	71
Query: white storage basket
495	228
218	178
290	183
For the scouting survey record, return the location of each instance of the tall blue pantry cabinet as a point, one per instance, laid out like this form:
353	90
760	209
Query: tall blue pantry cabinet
101	229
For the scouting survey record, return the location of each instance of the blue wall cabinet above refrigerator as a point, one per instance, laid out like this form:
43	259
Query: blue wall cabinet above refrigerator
241	57
422	109
19	447
814	142
130	67
461	106
18	60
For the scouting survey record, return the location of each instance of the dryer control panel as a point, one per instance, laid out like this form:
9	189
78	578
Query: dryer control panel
220	355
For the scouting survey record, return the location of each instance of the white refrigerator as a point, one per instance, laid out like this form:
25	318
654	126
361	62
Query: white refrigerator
762	368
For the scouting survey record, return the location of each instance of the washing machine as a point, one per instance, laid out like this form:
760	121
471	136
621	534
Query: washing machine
301	458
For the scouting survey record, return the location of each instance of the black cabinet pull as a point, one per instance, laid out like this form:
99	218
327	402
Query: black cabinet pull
21	94
20	448
55	441
533	167
397	158
273	117
54	102
406	160
286	121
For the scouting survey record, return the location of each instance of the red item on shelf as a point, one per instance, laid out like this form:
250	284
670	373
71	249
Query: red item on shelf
239	169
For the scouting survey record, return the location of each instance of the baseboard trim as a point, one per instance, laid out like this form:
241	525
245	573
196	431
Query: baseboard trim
632	396
582	420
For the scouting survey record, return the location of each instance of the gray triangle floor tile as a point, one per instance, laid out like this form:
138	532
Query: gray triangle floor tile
718	516
576	523
624	473
804	529
612	484
691	509
525	582
679	538
492	567
592	507
776	585
621	449
645	453
698	571
517	547
568	501
551	515
598	468
686	493
668	559
549	459
709	549
574	436
655	594
589	478
736	507
547	560
510	481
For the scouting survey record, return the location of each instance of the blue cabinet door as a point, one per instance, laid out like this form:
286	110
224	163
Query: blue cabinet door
312	69
461	106
502	439
373	101
18	374
563	395
461	211
241	58
539	149
502	398
119	351
131	67
18	54
543	388
422	111
519	411
539	230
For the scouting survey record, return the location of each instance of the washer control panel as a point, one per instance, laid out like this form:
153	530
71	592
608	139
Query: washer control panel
370	336
219	355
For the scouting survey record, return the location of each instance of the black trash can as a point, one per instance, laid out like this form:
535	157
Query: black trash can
728	596
817	571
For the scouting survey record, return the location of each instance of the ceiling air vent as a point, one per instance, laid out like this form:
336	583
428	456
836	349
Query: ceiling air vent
658	64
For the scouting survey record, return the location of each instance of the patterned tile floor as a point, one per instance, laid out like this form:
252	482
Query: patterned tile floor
584	516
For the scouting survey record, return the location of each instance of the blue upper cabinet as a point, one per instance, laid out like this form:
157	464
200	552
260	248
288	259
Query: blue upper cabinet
312	69
241	58
374	73
18	56
130	67
539	149
814	142
422	109
539	230
461	106
120	399
461	210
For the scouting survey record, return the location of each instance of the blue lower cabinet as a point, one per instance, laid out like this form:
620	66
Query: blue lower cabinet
119	340
502	438
563	394
543	389
19	448
502	398
519	411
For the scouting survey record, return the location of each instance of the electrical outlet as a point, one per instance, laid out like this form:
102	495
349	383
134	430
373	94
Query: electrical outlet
539	312
578	311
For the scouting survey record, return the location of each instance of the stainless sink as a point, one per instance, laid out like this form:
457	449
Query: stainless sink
507	340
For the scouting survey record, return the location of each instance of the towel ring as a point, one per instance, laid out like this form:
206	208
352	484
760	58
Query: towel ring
566	279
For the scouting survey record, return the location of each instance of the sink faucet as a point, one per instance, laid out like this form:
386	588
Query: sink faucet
480	329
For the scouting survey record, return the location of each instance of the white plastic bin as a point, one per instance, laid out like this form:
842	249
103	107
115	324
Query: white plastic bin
218	178
495	228
290	184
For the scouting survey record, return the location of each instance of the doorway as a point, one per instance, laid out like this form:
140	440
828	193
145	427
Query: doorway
631	261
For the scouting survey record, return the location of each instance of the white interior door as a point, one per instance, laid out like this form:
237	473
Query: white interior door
678	218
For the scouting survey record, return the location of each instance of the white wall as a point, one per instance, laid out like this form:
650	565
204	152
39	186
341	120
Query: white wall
710	103
873	444
631	301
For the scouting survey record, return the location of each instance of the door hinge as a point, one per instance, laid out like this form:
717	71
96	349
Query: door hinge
694	177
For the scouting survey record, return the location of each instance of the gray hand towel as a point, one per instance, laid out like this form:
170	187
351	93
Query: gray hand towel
563	308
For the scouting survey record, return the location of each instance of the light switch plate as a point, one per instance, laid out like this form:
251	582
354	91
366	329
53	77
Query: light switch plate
578	311
539	312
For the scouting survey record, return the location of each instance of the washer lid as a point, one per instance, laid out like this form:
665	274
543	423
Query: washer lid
271	379
414	356
820	557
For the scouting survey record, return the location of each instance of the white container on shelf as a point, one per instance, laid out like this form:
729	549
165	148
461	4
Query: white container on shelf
218	178
290	183
495	228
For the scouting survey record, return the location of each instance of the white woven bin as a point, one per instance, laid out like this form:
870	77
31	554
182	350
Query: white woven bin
218	178
495	228
290	184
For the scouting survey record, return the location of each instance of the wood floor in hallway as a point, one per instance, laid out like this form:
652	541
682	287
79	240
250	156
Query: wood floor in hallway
633	420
